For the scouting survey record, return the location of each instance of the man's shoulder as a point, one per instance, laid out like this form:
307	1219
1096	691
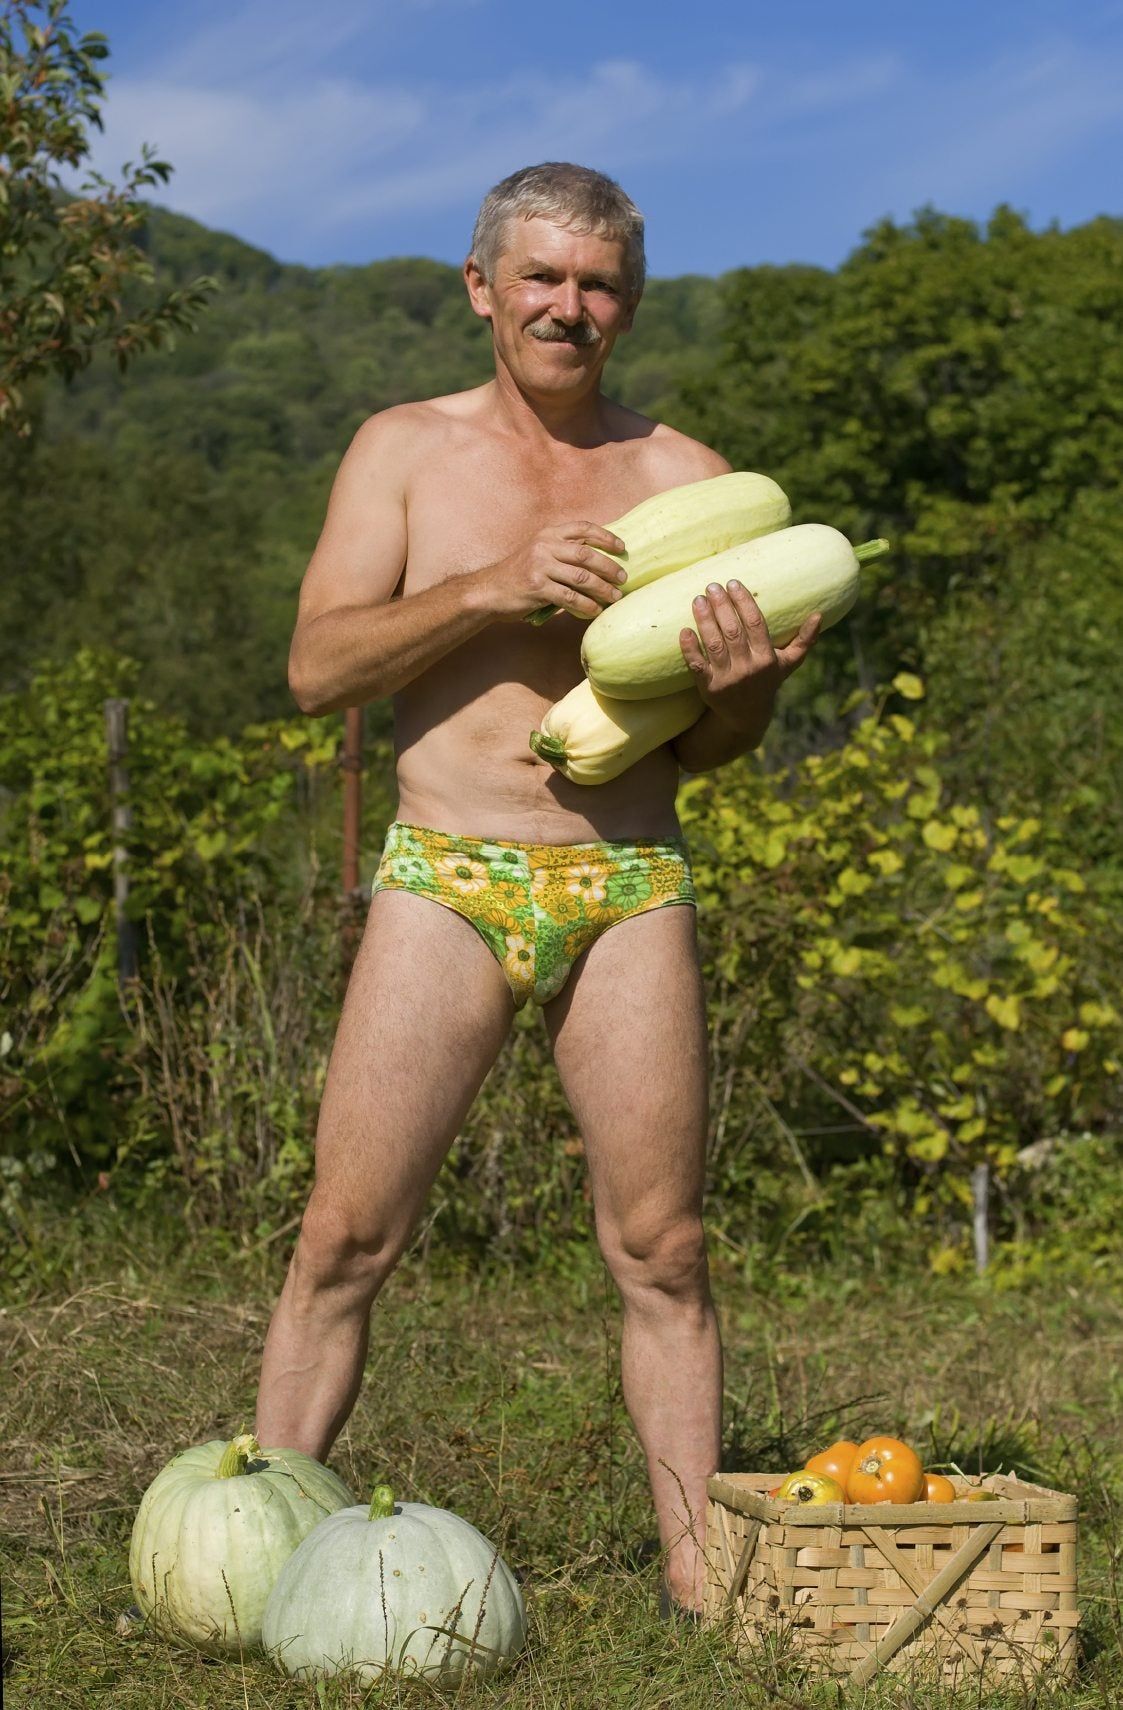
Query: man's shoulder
404	428
674	457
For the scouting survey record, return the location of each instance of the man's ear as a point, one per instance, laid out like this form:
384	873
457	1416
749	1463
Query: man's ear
479	294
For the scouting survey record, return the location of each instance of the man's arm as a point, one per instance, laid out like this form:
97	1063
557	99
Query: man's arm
355	643
738	674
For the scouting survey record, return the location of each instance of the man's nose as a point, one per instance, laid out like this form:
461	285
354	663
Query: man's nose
567	305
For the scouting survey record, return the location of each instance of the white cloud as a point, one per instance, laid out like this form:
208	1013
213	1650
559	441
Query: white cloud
235	153
330	152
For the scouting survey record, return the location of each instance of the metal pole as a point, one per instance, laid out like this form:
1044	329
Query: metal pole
980	1191
117	741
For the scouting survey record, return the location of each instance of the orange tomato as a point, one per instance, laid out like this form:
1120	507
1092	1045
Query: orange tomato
937	1488
836	1462
885	1470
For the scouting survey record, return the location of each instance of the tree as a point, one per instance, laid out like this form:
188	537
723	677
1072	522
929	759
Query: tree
953	388
69	268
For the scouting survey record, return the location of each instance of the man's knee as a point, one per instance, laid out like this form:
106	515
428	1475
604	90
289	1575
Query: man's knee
665	1254
339	1252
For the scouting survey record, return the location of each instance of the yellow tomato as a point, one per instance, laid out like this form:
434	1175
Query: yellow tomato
815	1489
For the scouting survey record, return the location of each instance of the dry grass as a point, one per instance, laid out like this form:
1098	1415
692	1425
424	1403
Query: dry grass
496	1394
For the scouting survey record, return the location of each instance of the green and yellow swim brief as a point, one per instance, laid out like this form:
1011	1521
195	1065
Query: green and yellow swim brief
536	906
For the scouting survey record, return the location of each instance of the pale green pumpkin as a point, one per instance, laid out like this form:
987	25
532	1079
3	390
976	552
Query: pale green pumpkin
213	1531
395	1587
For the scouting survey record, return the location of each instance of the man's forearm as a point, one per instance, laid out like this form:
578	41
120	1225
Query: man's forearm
356	654
710	742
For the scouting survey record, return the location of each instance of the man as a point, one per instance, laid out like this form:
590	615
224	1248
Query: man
451	520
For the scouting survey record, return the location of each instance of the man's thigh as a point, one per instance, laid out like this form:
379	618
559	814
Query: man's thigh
629	1034
426	1011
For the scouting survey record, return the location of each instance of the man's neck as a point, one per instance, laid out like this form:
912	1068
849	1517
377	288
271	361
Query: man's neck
548	421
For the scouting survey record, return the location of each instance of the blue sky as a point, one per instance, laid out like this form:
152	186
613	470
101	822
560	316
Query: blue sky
360	129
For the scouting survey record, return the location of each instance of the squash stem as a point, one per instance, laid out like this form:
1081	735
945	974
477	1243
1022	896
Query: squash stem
381	1503
549	748
543	613
871	549
237	1455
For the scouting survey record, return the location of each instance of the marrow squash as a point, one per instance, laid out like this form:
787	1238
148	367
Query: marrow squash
590	738
676	528
631	650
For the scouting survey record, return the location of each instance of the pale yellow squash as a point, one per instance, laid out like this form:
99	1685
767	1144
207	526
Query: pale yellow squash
590	738
676	528
632	650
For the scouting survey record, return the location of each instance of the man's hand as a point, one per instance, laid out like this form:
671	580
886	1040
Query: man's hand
735	667
563	565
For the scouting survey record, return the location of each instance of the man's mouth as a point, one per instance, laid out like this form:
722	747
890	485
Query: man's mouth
553	332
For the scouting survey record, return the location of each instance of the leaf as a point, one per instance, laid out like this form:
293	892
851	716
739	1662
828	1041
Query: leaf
909	686
1006	1011
1074	1038
208	844
939	836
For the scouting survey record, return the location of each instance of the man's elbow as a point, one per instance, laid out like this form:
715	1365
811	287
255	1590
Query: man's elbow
306	689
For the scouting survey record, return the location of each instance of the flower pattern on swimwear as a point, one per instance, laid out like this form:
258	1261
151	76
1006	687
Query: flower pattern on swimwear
463	874
587	881
537	906
628	889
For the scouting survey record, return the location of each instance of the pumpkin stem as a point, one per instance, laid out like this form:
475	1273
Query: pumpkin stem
237	1455
381	1503
871	549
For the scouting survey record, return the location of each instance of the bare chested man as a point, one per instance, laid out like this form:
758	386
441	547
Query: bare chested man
449	522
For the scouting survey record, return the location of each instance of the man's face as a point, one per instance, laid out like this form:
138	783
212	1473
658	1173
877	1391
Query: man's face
558	303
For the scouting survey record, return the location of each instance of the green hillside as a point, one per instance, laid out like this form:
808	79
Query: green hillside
169	512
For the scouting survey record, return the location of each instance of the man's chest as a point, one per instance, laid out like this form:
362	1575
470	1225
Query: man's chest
467	512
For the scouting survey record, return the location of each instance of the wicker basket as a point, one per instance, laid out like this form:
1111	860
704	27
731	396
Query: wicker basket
960	1589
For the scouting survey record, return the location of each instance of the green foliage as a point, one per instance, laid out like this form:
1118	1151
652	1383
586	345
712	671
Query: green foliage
950	388
65	261
881	950
199	843
1023	677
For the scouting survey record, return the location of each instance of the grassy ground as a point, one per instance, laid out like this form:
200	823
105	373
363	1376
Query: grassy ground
496	1394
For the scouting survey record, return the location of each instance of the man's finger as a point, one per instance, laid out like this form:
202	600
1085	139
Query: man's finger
727	613
800	646
751	616
594	535
587	558
709	629
692	651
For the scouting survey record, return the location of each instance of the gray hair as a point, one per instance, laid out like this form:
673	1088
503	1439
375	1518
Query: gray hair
574	196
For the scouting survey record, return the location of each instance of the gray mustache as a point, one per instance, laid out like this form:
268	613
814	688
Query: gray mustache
553	332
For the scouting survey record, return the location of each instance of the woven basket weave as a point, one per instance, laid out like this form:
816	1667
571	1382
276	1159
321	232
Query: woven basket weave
962	1589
